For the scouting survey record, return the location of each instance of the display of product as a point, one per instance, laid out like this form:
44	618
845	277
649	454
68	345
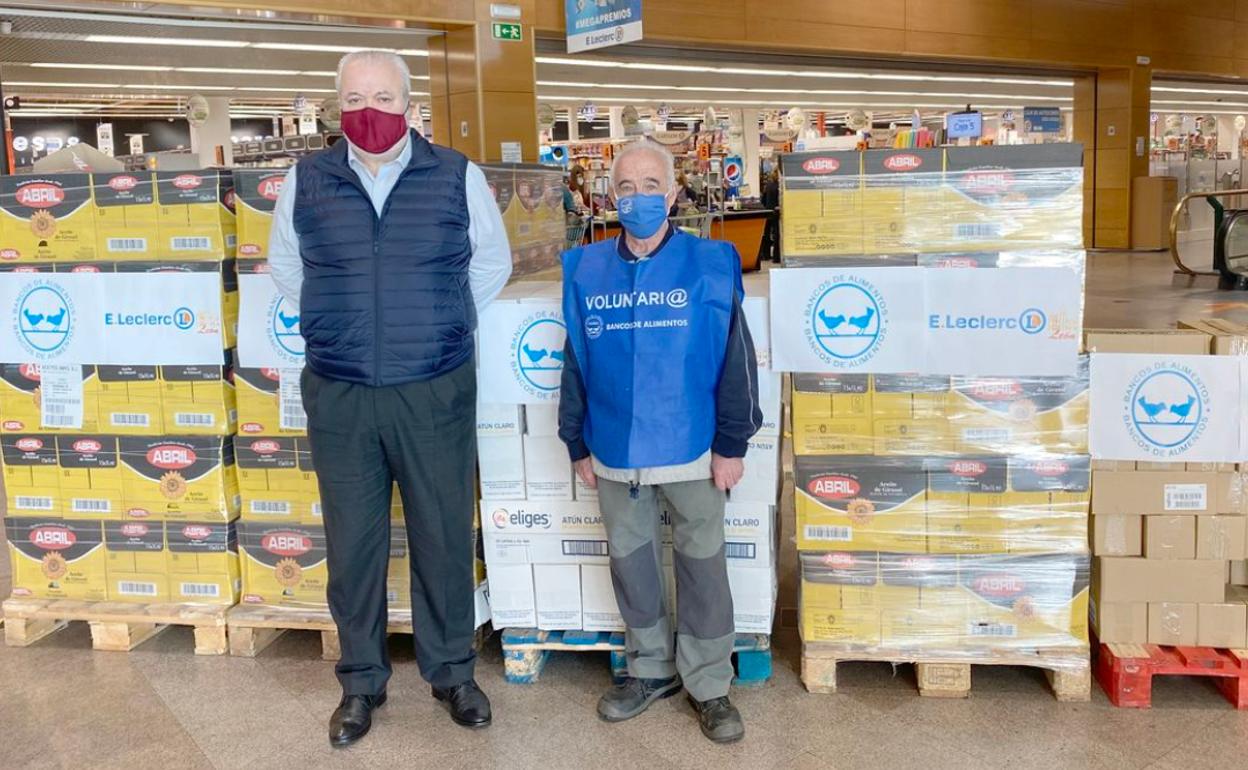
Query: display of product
530	198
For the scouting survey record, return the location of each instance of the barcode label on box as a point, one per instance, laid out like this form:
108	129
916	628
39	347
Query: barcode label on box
84	505
200	590
290	400
33	503
129	419
127	244
277	507
231	240
195	419
986	435
585	548
837	534
1186	497
129	588
316	509
60	395
191	244
740	551
976	230
992	629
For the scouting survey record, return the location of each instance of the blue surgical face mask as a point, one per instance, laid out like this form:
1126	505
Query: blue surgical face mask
642	215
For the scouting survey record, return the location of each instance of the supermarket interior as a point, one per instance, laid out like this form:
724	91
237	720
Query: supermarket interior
913	333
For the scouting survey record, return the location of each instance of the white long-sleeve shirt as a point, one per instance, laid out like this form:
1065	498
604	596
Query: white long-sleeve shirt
488	270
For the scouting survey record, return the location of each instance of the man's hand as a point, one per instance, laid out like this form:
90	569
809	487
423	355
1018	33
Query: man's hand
585	470
726	471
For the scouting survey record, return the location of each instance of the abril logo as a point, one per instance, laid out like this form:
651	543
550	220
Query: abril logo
537	351
285	333
1032	320
1167	407
43	316
847	321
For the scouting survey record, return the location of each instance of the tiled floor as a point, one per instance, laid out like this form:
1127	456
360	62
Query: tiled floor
62	705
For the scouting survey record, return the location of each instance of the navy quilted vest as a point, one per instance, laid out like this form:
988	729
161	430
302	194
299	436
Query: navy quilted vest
386	299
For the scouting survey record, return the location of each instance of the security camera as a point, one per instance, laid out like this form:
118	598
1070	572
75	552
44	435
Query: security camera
6	27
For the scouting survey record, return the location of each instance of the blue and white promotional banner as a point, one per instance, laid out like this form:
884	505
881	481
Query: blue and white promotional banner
268	327
1166	408
1005	321
915	320
520	352
600	23
115	319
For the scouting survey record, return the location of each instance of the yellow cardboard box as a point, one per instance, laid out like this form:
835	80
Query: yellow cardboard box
256	193
203	561
283	566
275	484
32	476
135	551
129	401
179	478
822	200
1058	524
195	219
258	392
901	192
965	500
861	503
1002	415
825	578
54	559
199	400
21	399
1025	601
47	218
90	477
831	414
125	215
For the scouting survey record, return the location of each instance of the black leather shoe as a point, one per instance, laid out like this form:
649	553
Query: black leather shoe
719	719
468	705
353	718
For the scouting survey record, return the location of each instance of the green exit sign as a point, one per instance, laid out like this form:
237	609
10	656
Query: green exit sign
505	31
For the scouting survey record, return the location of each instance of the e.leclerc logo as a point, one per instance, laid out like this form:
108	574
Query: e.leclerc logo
43	317
1031	322
848	321
537	353
285	334
1166	408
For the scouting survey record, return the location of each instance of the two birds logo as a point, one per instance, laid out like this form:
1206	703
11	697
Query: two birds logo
859	322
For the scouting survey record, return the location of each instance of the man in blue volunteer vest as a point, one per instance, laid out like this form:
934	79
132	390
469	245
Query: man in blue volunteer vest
659	398
389	246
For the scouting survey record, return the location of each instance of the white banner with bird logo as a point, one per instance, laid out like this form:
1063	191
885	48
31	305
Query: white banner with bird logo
1163	408
173	318
268	325
889	320
520	351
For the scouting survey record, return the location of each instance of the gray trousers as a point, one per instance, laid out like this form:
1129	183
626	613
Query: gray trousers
421	435
701	648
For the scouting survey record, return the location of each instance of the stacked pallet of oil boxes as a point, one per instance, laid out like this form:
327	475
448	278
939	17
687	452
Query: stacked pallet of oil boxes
545	544
117	403
939	414
530	198
281	531
1170	532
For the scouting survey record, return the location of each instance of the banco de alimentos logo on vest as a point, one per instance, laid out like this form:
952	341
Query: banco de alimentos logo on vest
537	353
43	317
847	321
1166	408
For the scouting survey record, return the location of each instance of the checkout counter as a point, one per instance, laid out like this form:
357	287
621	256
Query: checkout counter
743	228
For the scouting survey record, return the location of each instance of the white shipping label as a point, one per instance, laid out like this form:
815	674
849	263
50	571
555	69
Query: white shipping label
60	396
1186	497
520	352
290	400
112	318
269	335
1166	408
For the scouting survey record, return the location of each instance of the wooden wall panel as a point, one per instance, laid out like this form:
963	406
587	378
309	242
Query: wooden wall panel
981	18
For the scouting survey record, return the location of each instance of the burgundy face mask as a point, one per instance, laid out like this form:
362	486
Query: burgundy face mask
372	130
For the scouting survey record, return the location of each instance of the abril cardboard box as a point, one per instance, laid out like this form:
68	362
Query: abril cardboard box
822	202
184	478
902	199
125	215
256	192
283	566
195	218
47	218
1173	623
1118	535
824	578
270	480
199	400
203	561
909	414
1119	622
1133	579
129	401
1008	415
136	571
1046	510
1170	537
257	392
21	399
90	477
1025	601
965	498
32	476
54	559
831	414
861	503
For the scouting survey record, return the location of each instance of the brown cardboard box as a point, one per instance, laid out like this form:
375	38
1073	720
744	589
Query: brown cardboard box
1212	467
1221	537
1117	535
1120	622
1113	465
1155	492
1229	493
1172	623
1132	579
1168	341
1228	338
1152	201
1239	573
1170	537
1222	625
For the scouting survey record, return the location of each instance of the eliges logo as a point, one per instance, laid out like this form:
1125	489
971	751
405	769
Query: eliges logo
537	354
43	316
833	487
52	538
171	457
848	321
820	165
504	518
903	162
40	195
1166	409
999	585
284	543
285	333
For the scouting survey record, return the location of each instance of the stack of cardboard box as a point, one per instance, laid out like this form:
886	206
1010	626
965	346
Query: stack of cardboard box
135	499
1170	539
530	198
545	544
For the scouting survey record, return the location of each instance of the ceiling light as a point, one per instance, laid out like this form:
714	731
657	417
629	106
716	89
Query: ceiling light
825	105
1170	89
169	87
185	41
69	65
236	71
31	83
721	89
285	90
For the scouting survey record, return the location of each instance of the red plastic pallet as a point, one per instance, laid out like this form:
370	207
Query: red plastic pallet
1126	671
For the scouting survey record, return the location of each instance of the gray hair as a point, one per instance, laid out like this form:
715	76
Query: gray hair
658	150
376	56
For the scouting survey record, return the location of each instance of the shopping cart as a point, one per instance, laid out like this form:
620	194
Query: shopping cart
577	225
697	223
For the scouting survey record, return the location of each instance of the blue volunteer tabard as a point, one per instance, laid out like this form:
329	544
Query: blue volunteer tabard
650	339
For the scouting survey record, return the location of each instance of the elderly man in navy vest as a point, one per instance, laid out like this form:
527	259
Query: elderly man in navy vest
660	397
390	246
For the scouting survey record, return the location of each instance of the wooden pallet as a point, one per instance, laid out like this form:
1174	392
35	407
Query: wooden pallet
115	626
1126	671
527	650
950	676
